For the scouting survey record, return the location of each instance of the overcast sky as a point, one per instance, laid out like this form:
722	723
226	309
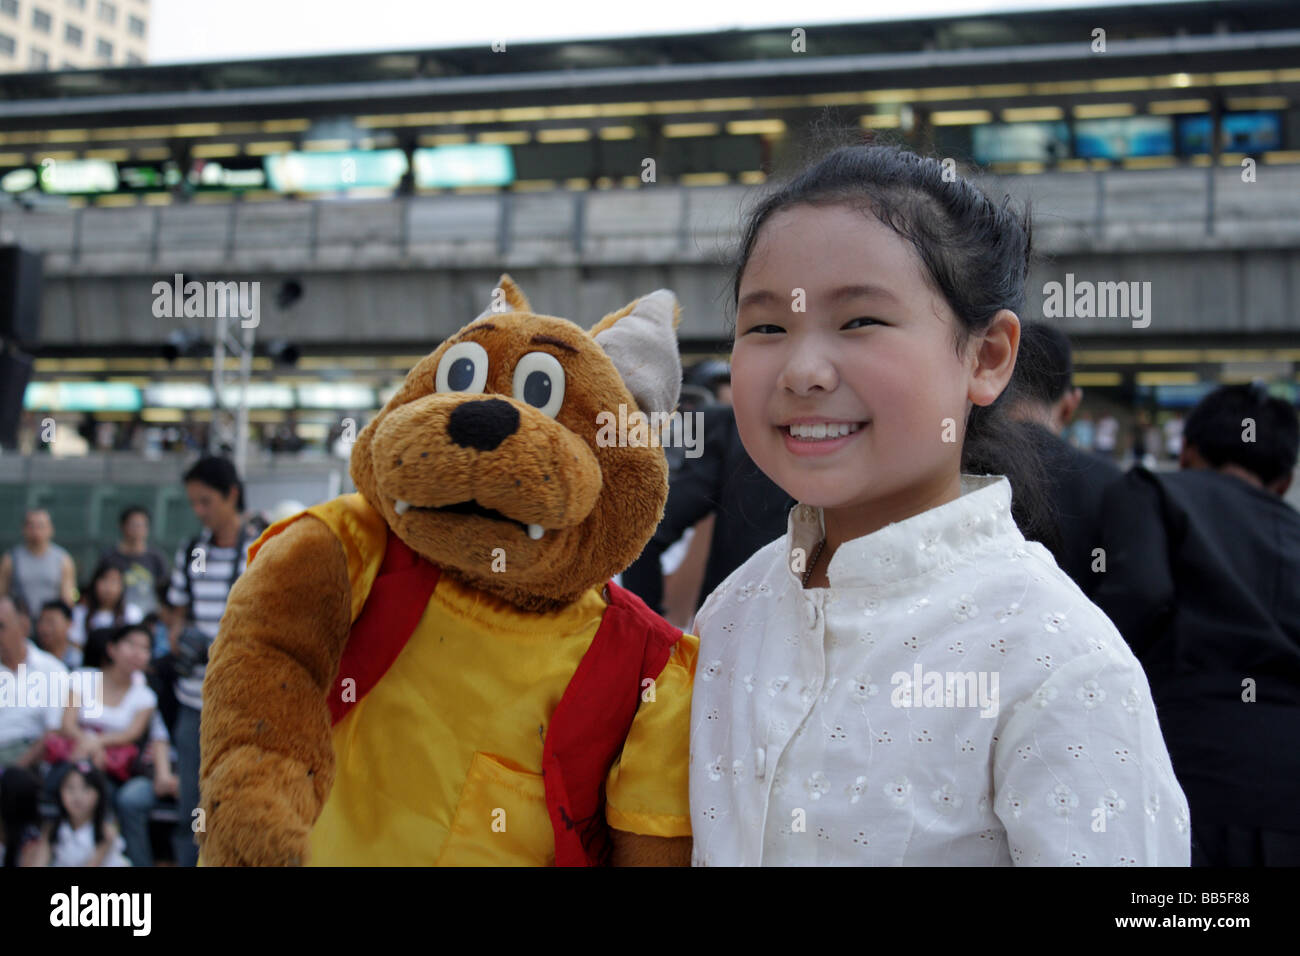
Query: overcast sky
192	30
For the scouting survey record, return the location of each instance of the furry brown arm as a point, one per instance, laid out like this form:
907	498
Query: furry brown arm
633	849
267	759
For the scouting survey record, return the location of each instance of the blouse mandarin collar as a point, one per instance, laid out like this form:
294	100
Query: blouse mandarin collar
918	545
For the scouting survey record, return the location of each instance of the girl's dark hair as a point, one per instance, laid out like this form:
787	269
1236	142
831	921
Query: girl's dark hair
218	474
119	635
976	255
99	784
92	599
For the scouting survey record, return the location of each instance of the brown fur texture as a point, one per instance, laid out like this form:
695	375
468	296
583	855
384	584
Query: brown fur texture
267	761
633	849
267	754
549	472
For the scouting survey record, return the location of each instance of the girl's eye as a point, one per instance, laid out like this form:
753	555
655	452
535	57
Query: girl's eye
765	329
864	320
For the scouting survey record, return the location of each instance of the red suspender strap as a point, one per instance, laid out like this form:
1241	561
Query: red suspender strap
593	719
396	603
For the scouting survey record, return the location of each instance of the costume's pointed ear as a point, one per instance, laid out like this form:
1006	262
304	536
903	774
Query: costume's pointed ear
641	341
506	297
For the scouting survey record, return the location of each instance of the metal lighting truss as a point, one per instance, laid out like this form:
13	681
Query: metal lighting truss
232	365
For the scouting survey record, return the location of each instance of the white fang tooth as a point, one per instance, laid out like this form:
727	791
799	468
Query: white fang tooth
535	531
401	507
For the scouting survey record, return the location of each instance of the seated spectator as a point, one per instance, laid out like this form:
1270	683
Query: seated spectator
1201	579
104	605
114	712
25	727
104	730
82	834
144	567
52	630
1043	396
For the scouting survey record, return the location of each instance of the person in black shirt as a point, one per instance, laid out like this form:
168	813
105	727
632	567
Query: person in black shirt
750	510
1043	397
1203	581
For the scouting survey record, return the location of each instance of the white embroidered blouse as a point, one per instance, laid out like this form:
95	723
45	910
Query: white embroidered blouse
951	699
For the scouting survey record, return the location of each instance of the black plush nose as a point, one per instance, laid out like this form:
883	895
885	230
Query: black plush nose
483	425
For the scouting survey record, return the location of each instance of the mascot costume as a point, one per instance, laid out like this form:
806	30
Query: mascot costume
437	669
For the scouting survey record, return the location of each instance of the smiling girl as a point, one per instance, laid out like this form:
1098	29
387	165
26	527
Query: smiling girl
903	678
83	834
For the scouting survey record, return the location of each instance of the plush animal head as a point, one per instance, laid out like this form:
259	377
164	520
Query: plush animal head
487	463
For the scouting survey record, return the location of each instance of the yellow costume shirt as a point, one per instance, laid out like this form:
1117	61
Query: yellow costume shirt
440	763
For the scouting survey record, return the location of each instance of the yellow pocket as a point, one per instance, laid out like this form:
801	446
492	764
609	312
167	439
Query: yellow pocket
501	818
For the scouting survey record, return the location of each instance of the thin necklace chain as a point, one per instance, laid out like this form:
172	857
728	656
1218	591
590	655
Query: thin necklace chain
813	563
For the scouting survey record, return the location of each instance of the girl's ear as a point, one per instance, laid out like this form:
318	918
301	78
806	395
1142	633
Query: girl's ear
995	358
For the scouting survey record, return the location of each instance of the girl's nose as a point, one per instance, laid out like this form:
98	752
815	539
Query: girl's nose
808	367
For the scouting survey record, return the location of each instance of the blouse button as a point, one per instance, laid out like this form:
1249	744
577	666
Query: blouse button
760	763
810	614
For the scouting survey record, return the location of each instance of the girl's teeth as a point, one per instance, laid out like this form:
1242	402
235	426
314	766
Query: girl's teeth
823	430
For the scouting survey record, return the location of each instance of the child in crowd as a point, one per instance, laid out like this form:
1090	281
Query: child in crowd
103	606
82	833
903	678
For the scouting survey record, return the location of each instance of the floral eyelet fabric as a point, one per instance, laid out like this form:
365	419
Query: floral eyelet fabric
951	699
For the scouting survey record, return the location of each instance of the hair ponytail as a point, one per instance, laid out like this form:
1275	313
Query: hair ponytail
997	444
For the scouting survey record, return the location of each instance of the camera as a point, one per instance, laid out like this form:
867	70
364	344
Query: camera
191	651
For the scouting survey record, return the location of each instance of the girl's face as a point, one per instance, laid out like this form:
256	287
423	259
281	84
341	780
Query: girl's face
108	588
131	652
79	798
861	397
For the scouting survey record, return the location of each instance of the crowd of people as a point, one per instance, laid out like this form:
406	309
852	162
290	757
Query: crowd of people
86	772
1196	568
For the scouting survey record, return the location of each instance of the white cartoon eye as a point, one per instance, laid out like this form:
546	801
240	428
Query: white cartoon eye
539	381
463	368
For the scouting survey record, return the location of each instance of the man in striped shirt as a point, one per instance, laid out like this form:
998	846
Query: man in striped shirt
202	575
